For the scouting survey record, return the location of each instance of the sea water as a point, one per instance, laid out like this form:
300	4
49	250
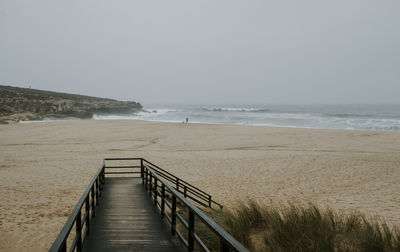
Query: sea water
364	117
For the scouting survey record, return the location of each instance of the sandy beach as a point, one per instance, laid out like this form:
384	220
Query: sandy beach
45	167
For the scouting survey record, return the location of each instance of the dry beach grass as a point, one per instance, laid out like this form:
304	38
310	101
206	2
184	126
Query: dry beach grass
301	227
44	168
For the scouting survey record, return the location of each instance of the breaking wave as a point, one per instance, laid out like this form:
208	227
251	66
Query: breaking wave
254	110
371	117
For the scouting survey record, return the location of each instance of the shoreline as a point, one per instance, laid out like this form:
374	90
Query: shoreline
45	167
201	123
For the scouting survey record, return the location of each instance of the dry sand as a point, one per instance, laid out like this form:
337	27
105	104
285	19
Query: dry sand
45	167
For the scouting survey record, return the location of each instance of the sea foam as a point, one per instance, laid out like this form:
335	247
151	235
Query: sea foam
363	117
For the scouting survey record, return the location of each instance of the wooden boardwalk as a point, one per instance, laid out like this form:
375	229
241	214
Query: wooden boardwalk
120	214
126	220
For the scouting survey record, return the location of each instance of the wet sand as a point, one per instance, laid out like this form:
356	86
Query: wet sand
45	167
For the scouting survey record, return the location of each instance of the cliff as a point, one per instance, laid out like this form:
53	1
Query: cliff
18	104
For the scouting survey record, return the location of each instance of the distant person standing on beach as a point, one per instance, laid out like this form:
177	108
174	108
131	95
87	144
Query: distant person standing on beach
187	119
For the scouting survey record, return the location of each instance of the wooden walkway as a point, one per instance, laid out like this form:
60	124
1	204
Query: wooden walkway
126	220
120	214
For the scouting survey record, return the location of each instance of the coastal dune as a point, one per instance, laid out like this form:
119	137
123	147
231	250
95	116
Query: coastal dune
45	167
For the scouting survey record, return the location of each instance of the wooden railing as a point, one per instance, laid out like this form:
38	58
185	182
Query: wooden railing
90	199
159	182
158	187
188	190
123	169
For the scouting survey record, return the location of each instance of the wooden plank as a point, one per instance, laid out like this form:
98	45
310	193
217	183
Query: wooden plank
126	220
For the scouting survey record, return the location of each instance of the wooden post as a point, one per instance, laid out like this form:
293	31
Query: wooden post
209	201
177	184
223	246
184	191
155	191
63	247
100	189
173	215
191	231
78	222
147	179
141	170
104	174
101	181
151	182
97	191
93	203
87	208
162	200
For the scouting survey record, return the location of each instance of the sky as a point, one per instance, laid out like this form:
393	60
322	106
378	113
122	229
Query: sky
205	51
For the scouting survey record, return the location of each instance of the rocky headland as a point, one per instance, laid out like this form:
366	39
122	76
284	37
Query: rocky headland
23	104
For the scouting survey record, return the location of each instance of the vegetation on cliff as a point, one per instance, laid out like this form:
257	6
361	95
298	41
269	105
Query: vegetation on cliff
18	104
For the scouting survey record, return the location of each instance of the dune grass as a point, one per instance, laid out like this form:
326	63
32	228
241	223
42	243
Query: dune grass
301	228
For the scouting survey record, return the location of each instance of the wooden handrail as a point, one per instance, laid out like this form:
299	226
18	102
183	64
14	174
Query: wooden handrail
201	197
158	169
94	190
188	190
227	242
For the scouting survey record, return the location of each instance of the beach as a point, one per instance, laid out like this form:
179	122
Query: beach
46	166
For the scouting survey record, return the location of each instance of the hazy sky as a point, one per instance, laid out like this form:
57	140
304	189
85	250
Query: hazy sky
169	51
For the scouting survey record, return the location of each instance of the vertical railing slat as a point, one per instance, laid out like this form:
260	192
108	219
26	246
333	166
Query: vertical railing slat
155	191
93	203
223	246
97	191
63	247
78	232
151	182
162	200
173	215
141	170
147	178
191	231
87	209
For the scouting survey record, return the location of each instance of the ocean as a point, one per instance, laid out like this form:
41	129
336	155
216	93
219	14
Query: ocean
351	117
